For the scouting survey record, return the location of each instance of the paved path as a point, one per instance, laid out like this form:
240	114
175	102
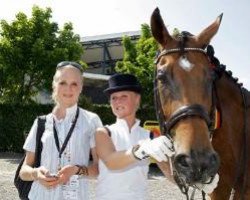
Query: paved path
159	187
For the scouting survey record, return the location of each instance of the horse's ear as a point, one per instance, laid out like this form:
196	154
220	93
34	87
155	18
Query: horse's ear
207	34
158	28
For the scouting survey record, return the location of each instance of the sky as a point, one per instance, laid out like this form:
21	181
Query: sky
97	17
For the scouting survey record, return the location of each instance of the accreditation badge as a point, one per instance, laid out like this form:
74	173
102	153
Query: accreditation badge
71	189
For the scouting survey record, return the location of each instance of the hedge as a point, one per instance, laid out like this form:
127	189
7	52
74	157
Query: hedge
16	121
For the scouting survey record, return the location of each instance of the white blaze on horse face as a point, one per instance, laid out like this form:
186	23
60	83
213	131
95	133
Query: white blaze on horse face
185	64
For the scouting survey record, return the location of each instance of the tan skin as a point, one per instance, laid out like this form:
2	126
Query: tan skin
124	105
67	87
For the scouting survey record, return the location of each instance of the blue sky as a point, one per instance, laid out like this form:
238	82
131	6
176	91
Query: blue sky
95	17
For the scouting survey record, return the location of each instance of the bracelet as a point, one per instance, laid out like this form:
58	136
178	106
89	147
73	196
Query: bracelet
134	149
82	170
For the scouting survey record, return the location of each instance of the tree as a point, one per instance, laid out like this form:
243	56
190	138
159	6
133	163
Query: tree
139	60
30	48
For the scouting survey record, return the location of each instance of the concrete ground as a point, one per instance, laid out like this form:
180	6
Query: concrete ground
159	187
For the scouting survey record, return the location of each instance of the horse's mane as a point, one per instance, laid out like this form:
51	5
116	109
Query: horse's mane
221	69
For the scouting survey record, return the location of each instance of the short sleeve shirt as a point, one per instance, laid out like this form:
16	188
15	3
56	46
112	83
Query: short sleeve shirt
76	152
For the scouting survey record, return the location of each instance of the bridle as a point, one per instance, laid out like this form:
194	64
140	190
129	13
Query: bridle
187	111
194	110
197	110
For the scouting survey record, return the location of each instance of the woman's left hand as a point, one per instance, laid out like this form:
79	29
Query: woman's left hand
66	172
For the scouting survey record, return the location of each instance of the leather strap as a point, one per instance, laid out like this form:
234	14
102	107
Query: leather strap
61	150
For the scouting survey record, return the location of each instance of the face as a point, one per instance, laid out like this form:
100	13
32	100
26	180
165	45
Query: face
124	103
67	86
184	88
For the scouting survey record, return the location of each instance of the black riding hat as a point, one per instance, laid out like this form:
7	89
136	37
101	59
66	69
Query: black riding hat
123	82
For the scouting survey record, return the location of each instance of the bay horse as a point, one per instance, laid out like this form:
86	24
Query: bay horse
204	110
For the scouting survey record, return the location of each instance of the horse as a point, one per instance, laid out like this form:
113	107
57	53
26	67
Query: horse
203	110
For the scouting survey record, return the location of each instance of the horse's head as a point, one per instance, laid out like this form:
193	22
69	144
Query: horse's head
184	91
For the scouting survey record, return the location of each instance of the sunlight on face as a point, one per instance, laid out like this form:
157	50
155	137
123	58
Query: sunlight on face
67	86
124	103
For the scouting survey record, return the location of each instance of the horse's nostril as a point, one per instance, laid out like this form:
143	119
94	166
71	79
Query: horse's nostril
182	161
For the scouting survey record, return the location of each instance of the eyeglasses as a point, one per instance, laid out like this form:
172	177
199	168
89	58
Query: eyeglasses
65	63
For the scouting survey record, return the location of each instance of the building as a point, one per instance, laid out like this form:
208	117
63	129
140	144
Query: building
101	54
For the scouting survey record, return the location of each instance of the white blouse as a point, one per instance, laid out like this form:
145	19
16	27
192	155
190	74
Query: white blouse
76	153
130	182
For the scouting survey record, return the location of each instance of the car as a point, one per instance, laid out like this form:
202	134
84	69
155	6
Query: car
154	128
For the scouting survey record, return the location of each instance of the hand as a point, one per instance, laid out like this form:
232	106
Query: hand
41	174
159	148
66	172
209	188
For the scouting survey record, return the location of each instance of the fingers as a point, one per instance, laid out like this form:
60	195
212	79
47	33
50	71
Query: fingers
167	147
163	147
159	156
49	182
168	143
160	148
43	170
44	177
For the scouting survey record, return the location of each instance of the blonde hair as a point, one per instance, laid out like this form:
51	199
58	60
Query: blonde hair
56	77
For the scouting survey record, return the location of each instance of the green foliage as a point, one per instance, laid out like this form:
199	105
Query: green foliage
30	48
105	113
15	123
138	60
16	120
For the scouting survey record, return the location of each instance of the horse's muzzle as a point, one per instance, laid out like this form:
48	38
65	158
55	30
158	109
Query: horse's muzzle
197	167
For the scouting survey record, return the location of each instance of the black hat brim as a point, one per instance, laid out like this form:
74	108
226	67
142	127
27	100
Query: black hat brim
132	88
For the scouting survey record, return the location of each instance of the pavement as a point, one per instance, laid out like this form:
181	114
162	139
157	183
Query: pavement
159	187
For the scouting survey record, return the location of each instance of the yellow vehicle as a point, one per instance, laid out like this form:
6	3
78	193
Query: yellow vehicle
154	128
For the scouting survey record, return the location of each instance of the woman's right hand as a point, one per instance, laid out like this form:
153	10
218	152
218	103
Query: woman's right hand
41	174
159	148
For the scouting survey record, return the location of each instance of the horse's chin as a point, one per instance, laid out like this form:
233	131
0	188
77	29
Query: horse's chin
193	178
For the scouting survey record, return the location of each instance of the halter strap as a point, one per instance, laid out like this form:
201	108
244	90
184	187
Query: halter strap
178	50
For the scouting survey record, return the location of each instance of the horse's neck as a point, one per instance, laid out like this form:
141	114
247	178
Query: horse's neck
231	107
233	115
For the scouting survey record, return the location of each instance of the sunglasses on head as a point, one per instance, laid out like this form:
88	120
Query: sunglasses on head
65	63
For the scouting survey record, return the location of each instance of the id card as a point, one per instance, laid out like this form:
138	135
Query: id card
71	189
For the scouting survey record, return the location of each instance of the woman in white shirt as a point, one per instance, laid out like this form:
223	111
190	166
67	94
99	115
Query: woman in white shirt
63	172
123	166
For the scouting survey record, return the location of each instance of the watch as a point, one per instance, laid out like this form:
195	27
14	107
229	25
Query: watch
82	170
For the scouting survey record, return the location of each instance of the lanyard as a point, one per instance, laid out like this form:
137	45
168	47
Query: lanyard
60	150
